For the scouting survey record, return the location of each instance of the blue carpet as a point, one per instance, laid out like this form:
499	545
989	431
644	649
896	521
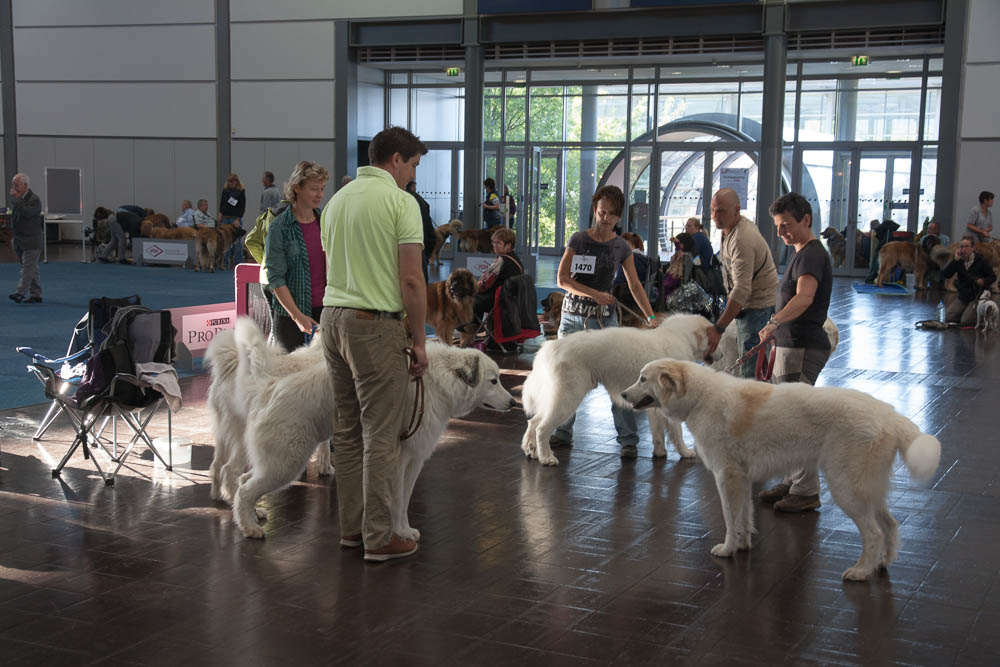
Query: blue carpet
66	289
891	289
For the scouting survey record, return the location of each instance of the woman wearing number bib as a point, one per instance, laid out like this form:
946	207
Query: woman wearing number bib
232	206
586	271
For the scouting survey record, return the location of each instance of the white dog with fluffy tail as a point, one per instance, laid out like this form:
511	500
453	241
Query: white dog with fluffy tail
749	431
987	313
565	370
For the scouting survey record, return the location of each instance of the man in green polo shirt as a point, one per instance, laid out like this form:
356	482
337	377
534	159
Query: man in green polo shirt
372	235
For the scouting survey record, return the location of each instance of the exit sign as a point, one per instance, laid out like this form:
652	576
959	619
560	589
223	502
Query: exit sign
455	71
859	61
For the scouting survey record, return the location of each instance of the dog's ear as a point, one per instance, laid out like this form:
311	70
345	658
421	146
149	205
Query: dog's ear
672	379
468	372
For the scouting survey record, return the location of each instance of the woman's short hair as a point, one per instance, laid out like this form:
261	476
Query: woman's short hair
394	140
505	235
686	242
491	184
985	196
233	182
634	240
793	204
304	171
614	196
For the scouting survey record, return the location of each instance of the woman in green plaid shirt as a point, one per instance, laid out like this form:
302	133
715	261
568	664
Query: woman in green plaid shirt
294	258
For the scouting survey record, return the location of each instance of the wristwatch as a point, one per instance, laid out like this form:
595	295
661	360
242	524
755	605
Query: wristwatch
775	323
721	330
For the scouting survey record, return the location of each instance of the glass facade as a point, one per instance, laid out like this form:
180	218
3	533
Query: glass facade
860	143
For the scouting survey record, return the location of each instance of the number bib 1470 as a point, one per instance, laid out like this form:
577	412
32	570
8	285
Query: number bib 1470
584	264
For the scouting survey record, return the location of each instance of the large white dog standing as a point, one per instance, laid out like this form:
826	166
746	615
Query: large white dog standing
749	431
565	370
288	413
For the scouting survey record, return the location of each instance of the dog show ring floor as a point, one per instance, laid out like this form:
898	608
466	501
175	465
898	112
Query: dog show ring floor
597	561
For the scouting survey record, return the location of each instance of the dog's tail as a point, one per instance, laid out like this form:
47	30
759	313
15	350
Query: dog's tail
222	357
920	452
252	346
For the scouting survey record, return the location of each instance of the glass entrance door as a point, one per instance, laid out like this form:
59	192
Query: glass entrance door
546	234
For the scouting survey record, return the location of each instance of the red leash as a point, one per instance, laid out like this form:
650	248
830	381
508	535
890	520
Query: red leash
765	360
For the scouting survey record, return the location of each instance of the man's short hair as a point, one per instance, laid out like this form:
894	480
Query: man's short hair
505	235
614	196
970	238
202	201
394	140
491	184
985	196
23	178
792	203
269	177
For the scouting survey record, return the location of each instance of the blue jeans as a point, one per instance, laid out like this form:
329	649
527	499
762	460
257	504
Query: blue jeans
747	328
234	253
624	418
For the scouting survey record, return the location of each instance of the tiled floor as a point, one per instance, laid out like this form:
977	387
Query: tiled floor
596	561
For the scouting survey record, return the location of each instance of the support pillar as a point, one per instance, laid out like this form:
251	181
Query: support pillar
474	78
946	212
345	104
588	156
223	96
769	164
9	98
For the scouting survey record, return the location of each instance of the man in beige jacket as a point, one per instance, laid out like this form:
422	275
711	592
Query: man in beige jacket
749	273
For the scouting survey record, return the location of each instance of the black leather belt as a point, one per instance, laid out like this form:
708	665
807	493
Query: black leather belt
366	314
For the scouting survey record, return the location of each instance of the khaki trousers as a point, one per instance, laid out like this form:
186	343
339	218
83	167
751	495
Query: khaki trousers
369	370
800	364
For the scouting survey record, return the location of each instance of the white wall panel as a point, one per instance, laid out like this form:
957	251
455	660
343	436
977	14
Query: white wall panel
117	109
111	12
114	172
979	106
299	50
194	173
268	10
984	26
978	164
155	175
252	158
282	109
154	53
248	162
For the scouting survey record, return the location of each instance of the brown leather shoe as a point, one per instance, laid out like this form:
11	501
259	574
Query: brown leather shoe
351	541
796	503
774	494
398	547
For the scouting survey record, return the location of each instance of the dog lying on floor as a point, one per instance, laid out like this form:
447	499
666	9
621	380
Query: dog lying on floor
837	244
441	235
228	419
552	308
449	304
565	370
760	430
987	312
287	415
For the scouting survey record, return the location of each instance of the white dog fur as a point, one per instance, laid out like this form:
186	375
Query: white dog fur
291	413
750	431
564	370
987	312
730	352
228	415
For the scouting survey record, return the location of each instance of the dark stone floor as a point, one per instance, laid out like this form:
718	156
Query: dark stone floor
596	561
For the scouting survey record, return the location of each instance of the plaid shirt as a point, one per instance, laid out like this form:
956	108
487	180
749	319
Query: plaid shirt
287	262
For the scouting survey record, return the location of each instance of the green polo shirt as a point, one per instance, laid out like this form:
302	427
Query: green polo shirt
362	228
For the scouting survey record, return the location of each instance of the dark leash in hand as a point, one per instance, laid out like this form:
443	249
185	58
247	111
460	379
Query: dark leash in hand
765	360
645	320
417	416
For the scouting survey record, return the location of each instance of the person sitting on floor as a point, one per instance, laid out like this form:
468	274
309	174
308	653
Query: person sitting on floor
506	265
974	275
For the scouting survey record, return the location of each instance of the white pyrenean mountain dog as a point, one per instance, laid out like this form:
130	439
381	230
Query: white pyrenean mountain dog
228	416
750	431
564	370
287	415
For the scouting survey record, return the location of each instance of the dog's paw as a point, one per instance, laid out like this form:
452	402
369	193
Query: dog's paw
722	551
857	574
409	534
253	531
528	450
659	453
261	514
548	460
216	493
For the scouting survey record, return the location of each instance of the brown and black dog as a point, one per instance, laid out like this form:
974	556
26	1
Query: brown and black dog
174	234
476	240
211	245
906	254
552	309
449	305
837	244
441	235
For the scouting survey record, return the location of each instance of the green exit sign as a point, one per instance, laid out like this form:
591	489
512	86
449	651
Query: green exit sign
859	61
455	71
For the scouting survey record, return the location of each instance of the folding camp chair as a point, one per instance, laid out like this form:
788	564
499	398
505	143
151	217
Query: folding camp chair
514	318
115	388
69	368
